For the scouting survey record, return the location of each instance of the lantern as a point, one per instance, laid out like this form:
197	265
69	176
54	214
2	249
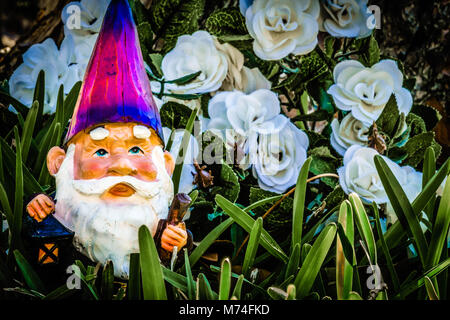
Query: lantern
49	241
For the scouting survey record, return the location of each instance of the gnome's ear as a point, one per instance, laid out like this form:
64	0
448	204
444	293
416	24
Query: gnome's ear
55	158
170	163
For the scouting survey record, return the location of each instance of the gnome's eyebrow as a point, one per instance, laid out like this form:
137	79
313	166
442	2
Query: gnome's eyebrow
99	133
141	132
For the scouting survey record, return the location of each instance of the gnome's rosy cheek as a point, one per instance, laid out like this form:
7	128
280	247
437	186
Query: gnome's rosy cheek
91	168
146	169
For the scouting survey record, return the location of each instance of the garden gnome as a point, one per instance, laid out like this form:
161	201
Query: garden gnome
113	174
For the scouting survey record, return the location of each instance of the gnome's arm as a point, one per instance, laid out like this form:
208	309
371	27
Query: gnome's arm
178	209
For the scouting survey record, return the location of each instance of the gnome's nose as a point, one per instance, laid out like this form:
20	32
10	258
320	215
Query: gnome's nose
122	166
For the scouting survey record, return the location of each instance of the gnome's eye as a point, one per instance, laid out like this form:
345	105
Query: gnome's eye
136	150
101	153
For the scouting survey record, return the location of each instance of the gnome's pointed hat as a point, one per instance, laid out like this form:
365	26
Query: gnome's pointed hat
115	86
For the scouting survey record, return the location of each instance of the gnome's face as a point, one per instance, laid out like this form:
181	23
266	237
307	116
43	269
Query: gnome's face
113	179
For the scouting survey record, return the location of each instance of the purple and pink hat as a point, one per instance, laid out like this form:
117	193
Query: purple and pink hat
115	87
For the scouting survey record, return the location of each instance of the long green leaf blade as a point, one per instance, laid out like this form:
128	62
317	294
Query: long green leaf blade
225	280
363	225
344	268
182	152
299	204
252	247
28	129
134	281
246	222
152	275
402	207
208	241
440	228
30	276
314	260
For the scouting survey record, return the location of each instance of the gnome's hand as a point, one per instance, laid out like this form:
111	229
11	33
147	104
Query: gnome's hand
174	236
40	207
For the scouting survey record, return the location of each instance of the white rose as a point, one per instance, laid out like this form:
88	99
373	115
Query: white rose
366	91
59	70
277	158
345	18
187	173
347	133
257	112
360	175
240	77
193	53
282	27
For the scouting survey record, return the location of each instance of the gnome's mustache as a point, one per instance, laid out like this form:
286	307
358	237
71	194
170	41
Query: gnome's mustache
98	187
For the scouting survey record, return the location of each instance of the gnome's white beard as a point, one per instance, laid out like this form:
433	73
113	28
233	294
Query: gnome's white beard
110	230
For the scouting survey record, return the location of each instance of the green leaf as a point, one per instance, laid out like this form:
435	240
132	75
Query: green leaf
134	282
59	115
107	280
145	35
440	228
363	225
238	287
16	239
155	65
39	95
354	296
314	260
175	279
429	169
185	79
298	209
44	175
59	293
70	102
173	18
226	21
189	278
225	280
152	276
294	262
262	202
385	249
402	207
246	222
324	162
180	158
413	285
228	184
252	247
344	267
208	241
279	220
28	129
174	115
416	146
395	233
291	292
430	289
7	100
204	291
30	276
389	118
371	52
